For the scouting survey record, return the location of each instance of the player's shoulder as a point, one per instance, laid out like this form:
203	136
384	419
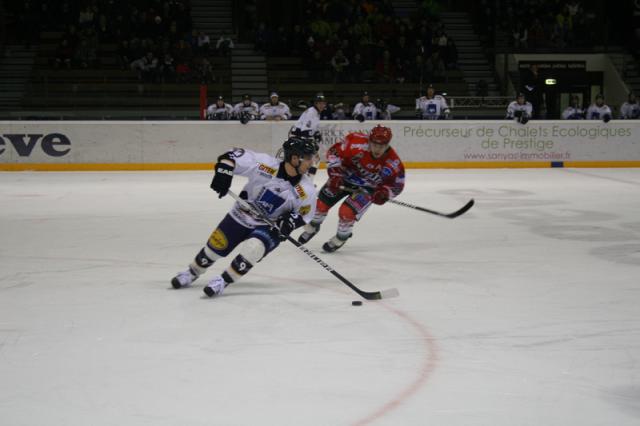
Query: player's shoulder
356	137
356	141
262	161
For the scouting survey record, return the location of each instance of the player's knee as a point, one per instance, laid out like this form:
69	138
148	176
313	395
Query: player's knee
346	213
253	250
322	207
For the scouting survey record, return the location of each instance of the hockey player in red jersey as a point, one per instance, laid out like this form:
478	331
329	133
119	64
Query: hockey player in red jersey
364	169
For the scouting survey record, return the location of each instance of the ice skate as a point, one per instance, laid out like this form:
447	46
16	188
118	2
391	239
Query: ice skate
309	230
183	279
335	243
215	287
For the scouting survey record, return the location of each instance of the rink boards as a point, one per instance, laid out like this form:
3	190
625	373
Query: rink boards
195	145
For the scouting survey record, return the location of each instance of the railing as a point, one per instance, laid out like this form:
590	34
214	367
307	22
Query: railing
468	102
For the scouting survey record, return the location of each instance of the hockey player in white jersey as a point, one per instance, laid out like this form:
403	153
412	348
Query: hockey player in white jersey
308	125
365	109
599	110
630	110
309	121
520	109
246	110
274	109
432	106
220	110
278	189
385	110
574	111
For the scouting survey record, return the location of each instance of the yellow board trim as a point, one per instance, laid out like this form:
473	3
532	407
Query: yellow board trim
95	167
100	167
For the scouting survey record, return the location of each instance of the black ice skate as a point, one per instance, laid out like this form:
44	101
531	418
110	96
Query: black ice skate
335	243
310	229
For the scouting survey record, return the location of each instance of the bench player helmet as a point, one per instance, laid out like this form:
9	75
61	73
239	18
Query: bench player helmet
299	146
380	135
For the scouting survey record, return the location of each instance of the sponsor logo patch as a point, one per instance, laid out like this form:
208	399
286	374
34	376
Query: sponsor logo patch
266	169
301	192
218	240
304	210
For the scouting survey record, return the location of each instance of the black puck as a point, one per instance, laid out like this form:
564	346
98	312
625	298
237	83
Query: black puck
356	303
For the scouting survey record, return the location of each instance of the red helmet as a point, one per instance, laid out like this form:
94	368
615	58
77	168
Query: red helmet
380	134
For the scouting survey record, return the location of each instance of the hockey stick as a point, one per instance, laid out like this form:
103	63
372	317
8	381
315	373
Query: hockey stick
455	214
369	295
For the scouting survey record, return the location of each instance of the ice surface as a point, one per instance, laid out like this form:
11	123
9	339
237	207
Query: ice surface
524	311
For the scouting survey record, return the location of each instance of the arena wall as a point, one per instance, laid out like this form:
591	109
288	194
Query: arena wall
194	145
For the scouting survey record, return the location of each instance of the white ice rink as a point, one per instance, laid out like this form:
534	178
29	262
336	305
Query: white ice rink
524	311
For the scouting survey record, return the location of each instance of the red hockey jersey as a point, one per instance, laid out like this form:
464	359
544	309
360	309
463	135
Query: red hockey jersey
352	161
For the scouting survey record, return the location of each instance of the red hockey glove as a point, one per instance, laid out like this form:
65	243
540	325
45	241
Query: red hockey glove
381	196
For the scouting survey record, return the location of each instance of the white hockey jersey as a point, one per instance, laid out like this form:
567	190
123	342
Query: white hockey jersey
572	113
514	106
253	109
629	111
268	111
385	114
309	121
596	112
224	112
272	195
432	109
368	110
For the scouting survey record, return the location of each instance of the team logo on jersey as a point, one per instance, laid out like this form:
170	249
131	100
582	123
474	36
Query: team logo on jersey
386	172
218	240
304	210
269	202
266	169
301	192
237	153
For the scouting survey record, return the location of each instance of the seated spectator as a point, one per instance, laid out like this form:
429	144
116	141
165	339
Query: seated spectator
630	110
168	69
224	45
355	69
365	109
220	110
280	43
124	54
339	111
183	72
574	111
246	110
432	106
274	110
385	110
435	67
520	110
205	72
599	110
146	67
451	55
64	55
203	43
318	68
86	56
385	69
339	63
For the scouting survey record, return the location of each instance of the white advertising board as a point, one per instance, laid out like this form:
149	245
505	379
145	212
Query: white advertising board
131	145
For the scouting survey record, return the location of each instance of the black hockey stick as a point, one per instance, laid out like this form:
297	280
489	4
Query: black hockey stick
369	295
455	214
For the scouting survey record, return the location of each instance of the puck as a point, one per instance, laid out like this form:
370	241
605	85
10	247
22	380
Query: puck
356	303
